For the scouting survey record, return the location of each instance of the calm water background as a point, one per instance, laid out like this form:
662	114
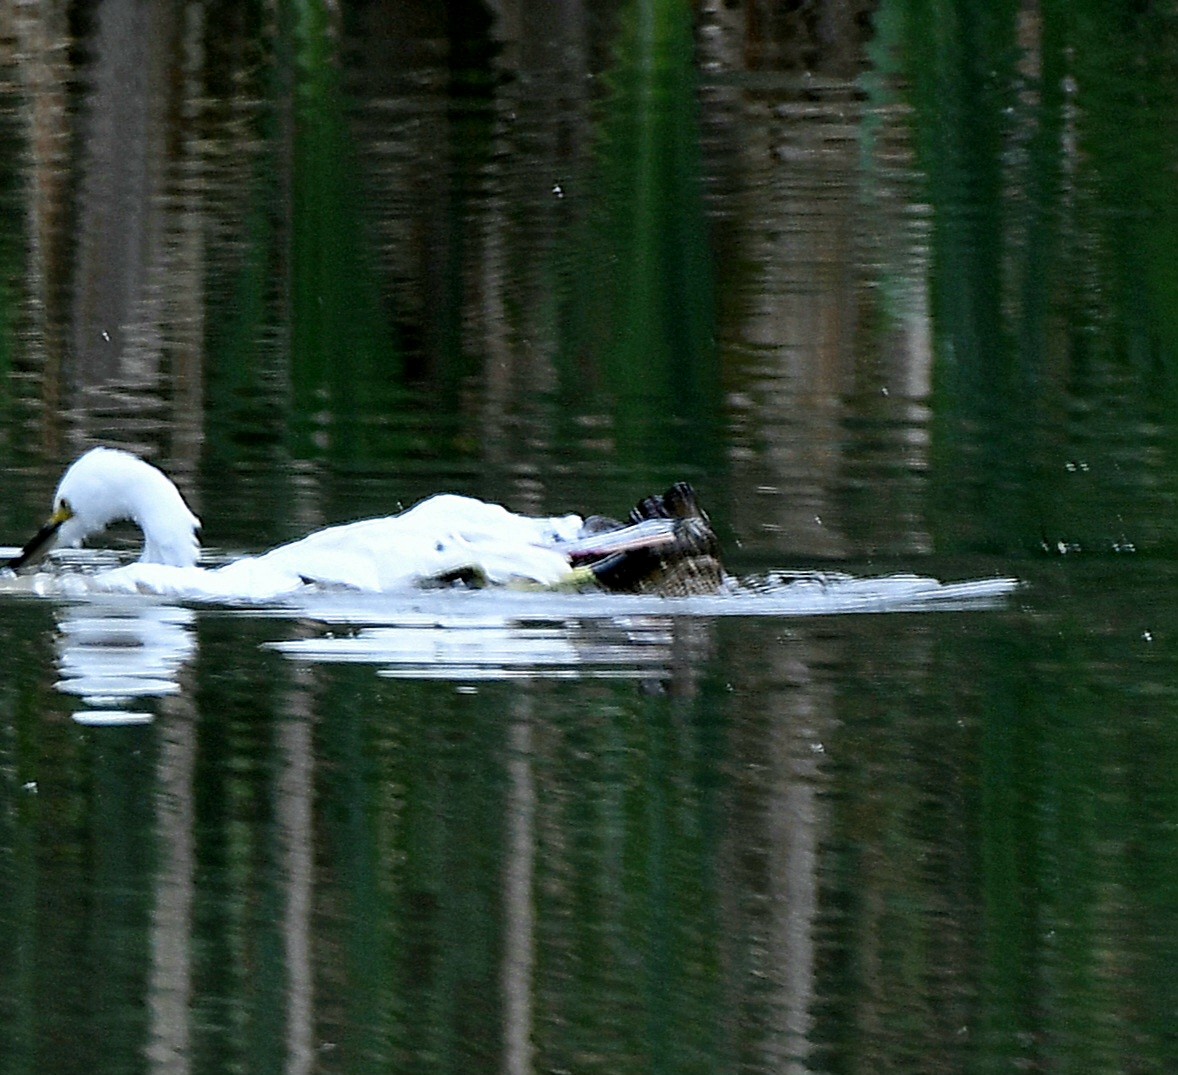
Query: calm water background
893	284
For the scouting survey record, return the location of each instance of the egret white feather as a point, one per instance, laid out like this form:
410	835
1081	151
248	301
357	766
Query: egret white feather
441	535
107	486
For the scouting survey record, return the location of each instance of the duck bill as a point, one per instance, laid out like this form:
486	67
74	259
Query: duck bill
40	543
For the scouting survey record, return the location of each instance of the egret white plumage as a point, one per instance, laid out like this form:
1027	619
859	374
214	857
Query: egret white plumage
107	486
443	536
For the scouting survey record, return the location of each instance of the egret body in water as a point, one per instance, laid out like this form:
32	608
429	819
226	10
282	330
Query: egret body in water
445	537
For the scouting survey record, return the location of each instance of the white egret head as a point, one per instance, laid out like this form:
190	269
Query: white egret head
106	486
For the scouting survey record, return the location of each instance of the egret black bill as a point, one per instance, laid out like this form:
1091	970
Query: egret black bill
647	534
41	542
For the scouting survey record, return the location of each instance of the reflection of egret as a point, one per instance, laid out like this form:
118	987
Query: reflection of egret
112	653
496	640
494	646
443	537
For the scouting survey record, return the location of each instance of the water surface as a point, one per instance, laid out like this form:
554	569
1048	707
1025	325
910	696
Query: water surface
890	283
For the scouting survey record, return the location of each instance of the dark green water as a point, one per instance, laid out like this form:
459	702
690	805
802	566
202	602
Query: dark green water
892	284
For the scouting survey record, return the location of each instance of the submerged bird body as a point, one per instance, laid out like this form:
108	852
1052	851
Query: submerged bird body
687	564
444	537
439	536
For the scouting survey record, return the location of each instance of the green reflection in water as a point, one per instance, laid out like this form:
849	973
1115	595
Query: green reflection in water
527	841
241	976
1053	300
995	858
629	916
1053	289
987	832
1075	855
302	355
77	901
1001	840
118	859
23	819
13	226
340	346
639	319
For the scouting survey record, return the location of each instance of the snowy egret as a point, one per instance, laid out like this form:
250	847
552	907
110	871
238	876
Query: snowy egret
445	537
107	486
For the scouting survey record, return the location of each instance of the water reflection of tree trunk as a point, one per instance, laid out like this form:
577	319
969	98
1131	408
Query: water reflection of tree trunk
42	35
138	271
547	103
805	377
519	928
183	273
805	354
121	195
293	808
794	824
169	990
779	821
